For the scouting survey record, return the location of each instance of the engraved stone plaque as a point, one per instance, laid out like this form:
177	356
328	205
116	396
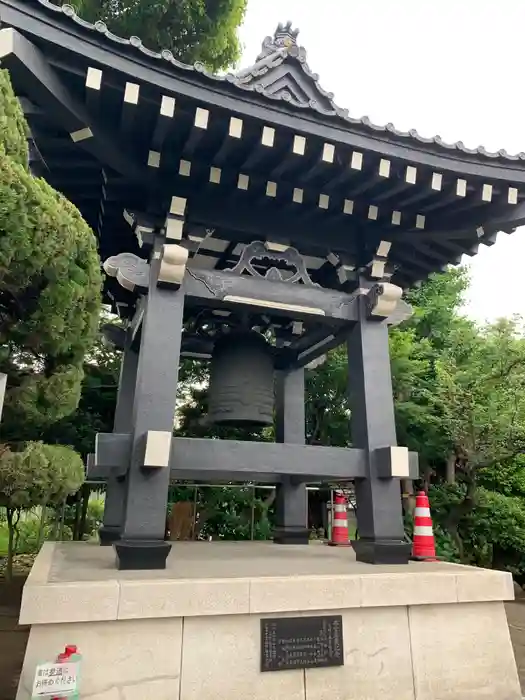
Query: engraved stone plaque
301	642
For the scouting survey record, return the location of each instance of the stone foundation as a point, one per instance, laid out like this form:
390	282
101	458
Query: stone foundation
192	632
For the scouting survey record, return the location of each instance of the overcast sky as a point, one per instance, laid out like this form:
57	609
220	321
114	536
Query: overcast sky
447	67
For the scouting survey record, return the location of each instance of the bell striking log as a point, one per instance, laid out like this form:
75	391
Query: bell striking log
241	381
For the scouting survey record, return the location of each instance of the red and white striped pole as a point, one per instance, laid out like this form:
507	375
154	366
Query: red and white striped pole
423	545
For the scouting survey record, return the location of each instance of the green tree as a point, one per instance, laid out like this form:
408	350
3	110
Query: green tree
96	409
327	409
37	475
416	348
481	389
50	284
193	30
460	402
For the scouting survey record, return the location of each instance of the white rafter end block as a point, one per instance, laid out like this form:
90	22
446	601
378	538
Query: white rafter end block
215	175
299	145
377	269
328	153
167	106
356	162
384	168
437	181
486	193
154	159
81	134
271	189
201	118
383	249
131	93
411	174
461	187
174	228
298	195
243	182
513	195
420	221
178	206
373	212
235	129
345	273
185	168
396	218
324	201
94	78
268	136
348	206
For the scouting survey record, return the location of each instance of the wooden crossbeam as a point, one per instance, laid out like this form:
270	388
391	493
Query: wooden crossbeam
233	460
330	307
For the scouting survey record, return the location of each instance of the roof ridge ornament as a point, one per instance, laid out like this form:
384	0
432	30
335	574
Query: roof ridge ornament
285	34
284	40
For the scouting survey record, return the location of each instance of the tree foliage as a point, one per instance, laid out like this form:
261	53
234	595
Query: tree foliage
467	419
96	409
35	476
193	30
50	284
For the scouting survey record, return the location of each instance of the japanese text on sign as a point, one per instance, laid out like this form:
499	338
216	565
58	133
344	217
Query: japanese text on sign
301	642
55	679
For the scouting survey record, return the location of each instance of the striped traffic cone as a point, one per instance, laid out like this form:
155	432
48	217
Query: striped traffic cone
423	545
340	534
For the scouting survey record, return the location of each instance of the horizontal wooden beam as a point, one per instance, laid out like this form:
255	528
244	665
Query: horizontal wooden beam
318	347
235	460
216	287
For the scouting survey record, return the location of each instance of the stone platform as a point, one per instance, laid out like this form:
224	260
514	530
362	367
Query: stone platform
192	632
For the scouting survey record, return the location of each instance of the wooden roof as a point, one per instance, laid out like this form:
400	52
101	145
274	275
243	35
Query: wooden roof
265	154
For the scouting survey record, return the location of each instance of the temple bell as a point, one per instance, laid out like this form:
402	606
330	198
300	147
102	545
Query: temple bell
242	381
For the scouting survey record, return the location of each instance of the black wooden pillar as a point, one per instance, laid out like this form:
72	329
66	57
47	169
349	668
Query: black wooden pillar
291	506
379	509
142	544
111	528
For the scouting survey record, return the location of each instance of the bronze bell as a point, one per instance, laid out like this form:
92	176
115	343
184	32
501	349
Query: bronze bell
241	381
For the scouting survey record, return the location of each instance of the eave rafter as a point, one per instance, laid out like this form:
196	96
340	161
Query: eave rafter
46	89
163	72
481	227
248	165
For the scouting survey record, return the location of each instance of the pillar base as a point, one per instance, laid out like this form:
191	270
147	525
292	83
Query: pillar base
135	555
108	534
372	551
291	535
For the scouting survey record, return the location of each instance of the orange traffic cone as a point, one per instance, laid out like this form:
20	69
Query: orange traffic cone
423	545
340	534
